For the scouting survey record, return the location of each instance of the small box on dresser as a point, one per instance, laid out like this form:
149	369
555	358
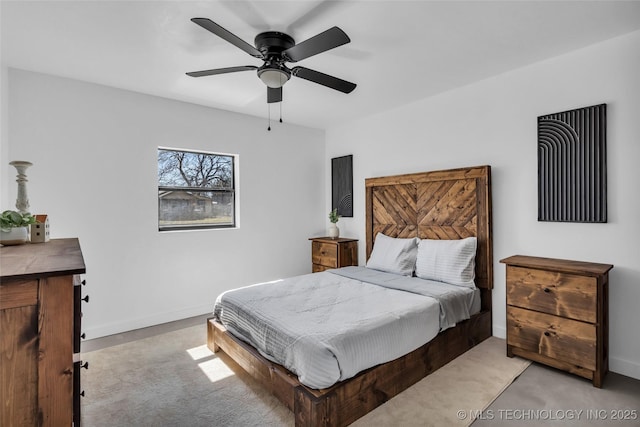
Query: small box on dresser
557	314
329	253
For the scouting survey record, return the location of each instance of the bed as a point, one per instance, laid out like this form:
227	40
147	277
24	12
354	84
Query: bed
441	205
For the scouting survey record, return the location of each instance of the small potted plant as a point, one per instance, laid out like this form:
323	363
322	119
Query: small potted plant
14	227
334	231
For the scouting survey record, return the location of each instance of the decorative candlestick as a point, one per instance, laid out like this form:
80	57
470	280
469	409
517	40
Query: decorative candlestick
22	202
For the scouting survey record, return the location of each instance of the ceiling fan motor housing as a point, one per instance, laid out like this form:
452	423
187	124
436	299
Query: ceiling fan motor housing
273	42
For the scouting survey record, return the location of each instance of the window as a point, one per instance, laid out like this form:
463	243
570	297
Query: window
195	190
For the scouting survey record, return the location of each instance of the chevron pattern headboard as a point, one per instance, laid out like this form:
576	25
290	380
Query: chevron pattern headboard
448	204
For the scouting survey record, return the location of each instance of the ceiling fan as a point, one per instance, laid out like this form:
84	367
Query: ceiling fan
276	49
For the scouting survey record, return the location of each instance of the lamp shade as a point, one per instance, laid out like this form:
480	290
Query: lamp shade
273	78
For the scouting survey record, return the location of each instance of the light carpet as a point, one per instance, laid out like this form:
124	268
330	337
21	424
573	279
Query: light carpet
173	379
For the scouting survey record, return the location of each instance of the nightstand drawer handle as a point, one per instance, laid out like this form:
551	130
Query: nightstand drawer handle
547	334
547	290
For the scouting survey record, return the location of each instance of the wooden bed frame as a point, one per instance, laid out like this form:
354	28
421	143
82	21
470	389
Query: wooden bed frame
449	204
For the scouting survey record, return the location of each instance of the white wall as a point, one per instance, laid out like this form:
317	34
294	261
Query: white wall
94	151
494	122
4	137
4	111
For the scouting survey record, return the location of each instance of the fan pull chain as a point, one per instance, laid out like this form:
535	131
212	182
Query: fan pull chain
269	115
281	84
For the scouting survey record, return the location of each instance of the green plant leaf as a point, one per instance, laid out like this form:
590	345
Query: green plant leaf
10	219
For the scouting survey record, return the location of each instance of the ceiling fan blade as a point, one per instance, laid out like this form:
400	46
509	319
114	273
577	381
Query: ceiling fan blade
315	12
274	95
322	42
216	29
221	71
323	79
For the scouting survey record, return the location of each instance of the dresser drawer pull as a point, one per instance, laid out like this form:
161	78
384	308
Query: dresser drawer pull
82	393
83	336
84	365
84	283
86	299
547	290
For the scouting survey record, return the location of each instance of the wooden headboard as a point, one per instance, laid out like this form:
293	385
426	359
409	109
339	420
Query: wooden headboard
446	204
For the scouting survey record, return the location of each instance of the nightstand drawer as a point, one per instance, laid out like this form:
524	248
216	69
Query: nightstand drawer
561	339
329	253
561	294
324	254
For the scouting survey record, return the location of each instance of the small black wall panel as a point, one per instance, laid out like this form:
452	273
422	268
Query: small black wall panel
342	185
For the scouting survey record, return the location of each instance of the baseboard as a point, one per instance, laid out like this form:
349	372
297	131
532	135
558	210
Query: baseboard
499	331
144	322
624	367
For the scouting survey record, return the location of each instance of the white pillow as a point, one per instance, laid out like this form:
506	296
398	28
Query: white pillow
449	261
393	255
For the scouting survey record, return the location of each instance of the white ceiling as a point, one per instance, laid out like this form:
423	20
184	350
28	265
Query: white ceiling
399	52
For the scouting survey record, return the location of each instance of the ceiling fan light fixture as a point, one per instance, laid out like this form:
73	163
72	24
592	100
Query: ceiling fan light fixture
273	77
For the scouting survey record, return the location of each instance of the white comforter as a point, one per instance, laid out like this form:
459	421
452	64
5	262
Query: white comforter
325	327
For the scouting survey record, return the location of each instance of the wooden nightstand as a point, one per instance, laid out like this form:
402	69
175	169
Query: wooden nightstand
557	314
333	253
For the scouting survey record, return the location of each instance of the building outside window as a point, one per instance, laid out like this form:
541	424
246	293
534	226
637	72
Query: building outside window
195	190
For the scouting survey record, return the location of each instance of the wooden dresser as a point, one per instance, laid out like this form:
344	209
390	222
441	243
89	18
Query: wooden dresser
40	343
329	253
557	314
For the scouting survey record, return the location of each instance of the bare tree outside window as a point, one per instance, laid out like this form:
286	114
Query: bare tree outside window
195	190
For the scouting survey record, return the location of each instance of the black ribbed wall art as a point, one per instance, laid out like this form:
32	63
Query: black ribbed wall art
572	165
342	185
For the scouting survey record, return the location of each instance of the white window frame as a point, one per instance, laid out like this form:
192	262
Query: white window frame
233	191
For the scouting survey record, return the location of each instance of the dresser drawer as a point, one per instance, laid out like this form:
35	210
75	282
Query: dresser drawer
325	254
562	339
556	293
